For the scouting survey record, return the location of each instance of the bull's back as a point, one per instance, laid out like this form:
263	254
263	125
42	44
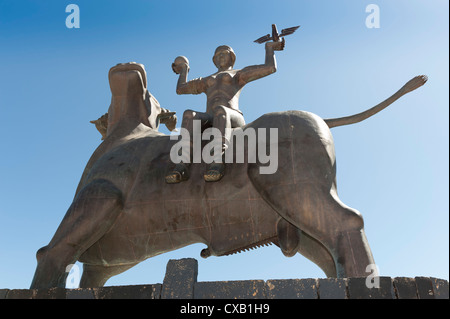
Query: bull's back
305	149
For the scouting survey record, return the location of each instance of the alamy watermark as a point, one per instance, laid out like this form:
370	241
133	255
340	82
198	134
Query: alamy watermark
73	277
373	19
259	147
373	279
73	19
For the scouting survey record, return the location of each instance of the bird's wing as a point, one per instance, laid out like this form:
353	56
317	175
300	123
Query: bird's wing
288	31
263	39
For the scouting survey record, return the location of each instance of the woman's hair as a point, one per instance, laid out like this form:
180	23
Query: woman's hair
227	48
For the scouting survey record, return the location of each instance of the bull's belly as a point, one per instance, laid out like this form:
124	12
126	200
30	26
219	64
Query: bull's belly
149	228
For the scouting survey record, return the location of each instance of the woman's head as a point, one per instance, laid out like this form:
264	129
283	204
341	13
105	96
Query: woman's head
224	57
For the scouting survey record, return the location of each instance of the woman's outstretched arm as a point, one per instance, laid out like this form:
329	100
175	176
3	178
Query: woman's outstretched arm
255	72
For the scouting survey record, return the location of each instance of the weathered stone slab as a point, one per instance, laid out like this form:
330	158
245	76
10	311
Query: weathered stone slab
424	288
405	288
80	293
3	293
357	289
440	287
181	275
292	289
332	288
246	289
50	293
21	294
128	292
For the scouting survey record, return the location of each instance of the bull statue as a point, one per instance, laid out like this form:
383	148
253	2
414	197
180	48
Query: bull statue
124	212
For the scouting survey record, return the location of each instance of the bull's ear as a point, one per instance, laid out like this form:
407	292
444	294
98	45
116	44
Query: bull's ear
168	118
171	123
165	115
101	124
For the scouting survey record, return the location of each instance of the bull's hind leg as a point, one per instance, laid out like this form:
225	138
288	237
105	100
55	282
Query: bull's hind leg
92	213
317	253
340	229
292	240
98	275
320	214
348	243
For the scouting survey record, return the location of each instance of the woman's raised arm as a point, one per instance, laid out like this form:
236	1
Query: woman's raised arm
181	67
255	72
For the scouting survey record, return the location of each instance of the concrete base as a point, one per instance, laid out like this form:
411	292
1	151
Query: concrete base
180	282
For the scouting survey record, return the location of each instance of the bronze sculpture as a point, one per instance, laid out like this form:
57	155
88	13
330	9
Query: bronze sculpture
222	107
124	212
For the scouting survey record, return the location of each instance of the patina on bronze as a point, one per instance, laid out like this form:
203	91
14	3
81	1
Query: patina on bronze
124	212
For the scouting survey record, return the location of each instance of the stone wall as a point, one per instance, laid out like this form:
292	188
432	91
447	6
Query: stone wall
180	282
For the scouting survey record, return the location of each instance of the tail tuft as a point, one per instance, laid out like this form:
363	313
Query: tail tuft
414	83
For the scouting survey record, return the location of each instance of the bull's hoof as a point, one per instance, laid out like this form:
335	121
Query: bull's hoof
215	172
178	175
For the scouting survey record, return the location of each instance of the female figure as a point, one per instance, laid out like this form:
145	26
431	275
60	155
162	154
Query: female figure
222	90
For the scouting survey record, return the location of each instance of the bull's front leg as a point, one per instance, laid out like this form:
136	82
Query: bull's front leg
92	213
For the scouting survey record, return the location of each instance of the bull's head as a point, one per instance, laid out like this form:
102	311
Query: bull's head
131	102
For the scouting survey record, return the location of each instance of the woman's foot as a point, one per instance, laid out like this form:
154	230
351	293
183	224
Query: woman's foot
179	174
215	172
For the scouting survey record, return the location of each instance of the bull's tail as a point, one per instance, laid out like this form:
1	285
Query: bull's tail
411	85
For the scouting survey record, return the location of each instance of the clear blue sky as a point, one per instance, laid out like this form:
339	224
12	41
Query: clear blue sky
393	167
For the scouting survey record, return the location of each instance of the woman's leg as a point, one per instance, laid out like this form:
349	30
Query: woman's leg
224	119
180	171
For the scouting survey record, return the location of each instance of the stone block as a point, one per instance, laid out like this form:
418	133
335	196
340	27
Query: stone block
3	293
440	287
181	275
292	289
332	288
50	293
21	294
80	293
357	289
245	289
405	288
424	288
128	292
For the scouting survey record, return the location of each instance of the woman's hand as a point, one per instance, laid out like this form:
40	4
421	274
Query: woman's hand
276	46
180	64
